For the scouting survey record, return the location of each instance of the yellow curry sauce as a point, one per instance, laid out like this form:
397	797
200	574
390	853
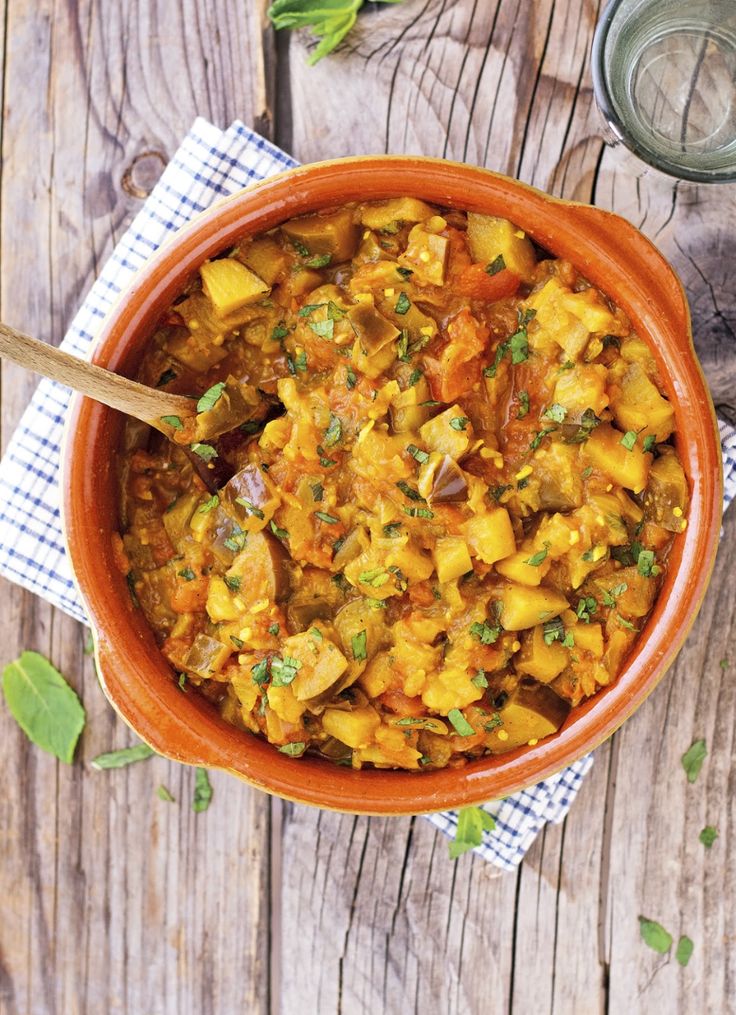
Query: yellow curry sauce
449	513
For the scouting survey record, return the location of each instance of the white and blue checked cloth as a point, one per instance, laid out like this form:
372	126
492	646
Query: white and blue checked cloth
210	163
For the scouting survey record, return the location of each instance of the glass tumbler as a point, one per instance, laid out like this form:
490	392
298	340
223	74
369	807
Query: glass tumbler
664	74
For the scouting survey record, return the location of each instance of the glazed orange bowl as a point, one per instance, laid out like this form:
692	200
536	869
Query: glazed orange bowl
614	257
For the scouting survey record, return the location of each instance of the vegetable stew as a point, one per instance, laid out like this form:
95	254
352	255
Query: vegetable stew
448	514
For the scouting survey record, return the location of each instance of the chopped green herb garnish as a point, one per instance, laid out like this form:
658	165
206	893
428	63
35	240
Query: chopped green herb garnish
416	375
359	645
645	564
280	533
402	304
585	608
280	332
404	272
523	405
553	631
205	451
233	582
284	670
684	950
350	379
654	935
650	442
414	512
555	412
392	530
485	634
519	345
629	440
496	265
187	574
417	454
237	642
539	557
539	437
273	629
708	836
333	433
693	758
318	491
493	723
459	422
409	491
173	421
318	261
250	507
327	519
260	672
294	750
497	492
460	723
309	308
480	679
211	397
325	329
209	505
471	823
202	791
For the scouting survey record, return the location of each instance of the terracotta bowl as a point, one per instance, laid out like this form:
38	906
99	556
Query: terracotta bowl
614	256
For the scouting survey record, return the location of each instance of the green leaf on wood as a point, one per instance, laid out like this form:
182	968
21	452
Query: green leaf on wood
44	705
126	756
202	791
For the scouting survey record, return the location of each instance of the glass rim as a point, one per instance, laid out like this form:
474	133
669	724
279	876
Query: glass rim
607	108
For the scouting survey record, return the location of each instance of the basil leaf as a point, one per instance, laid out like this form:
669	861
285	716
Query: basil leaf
359	645
496	265
173	421
202	791
294	750
471	823
163	794
205	451
44	705
693	758
654	935
126	756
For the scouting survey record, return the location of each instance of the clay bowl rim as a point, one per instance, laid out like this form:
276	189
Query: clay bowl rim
132	672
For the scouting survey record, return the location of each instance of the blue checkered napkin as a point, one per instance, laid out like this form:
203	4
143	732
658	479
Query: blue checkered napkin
209	164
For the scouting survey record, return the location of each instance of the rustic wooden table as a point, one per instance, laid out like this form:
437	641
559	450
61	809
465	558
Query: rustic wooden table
114	901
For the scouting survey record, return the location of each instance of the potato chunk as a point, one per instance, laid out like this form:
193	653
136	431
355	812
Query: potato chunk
356	728
629	468
539	660
531	713
637	405
450	433
451	558
490	536
322	664
230	285
526	607
489	236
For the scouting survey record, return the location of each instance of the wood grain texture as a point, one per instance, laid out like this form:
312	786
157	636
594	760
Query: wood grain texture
115	901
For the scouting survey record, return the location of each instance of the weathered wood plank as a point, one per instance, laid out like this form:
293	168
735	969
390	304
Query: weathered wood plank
113	900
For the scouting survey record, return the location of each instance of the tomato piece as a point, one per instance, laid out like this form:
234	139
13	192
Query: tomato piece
477	284
458	367
399	703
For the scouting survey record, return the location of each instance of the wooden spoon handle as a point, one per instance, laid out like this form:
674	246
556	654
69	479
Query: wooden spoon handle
146	404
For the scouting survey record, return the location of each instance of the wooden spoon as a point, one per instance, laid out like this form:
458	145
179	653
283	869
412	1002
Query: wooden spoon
176	416
147	404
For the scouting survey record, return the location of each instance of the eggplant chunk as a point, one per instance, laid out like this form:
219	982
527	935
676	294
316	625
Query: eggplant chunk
207	656
335	234
449	485
532	712
261	565
666	497
322	666
354	619
316	598
373	330
252	497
